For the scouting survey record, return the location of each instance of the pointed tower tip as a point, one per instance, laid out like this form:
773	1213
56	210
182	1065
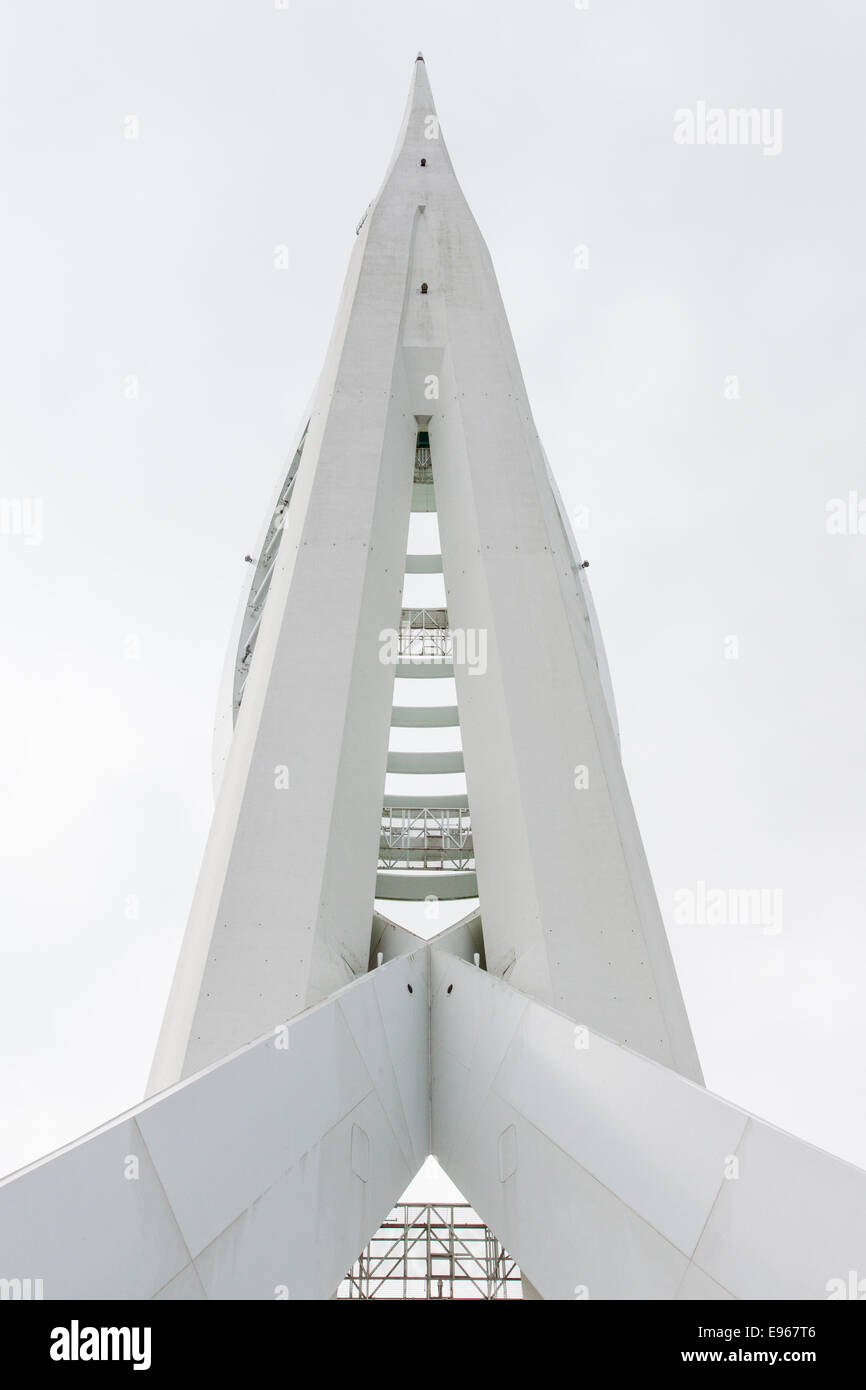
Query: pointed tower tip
420	108
420	95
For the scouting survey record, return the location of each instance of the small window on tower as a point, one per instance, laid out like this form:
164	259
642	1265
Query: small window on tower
424	287
423	164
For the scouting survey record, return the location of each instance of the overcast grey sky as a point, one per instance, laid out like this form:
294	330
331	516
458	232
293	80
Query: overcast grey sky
152	259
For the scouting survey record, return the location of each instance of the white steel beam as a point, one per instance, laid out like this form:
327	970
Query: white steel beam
424	717
415	887
603	1174
282	911
608	1176
452	801
260	1178
425	762
423	564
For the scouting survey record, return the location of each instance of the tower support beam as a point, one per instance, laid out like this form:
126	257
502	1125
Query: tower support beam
261	1177
604	1174
608	1176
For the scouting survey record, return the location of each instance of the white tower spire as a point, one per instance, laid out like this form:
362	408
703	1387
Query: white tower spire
283	911
299	1090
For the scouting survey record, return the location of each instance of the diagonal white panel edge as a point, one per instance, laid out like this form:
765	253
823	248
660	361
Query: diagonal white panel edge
261	1177
603	1173
606	1175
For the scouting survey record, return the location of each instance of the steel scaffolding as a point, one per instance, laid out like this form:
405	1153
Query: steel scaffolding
421	837
433	1251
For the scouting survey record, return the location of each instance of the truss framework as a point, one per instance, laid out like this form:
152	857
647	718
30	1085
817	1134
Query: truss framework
424	837
424	632
424	1251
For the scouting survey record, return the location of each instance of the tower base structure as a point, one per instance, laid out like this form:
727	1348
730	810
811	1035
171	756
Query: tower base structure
603	1174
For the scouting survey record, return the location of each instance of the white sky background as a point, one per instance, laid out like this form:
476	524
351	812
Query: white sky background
155	257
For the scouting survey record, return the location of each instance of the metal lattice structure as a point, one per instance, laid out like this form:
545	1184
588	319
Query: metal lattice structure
424	633
433	1251
426	838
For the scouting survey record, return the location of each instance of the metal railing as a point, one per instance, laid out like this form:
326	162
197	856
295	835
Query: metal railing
424	632
423	466
433	1251
420	826
419	837
261	579
424	619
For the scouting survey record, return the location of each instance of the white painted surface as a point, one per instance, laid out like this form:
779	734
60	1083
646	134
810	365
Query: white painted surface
283	908
567	899
604	1174
622	1177
597	1167
76	1222
246	1182
282	914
